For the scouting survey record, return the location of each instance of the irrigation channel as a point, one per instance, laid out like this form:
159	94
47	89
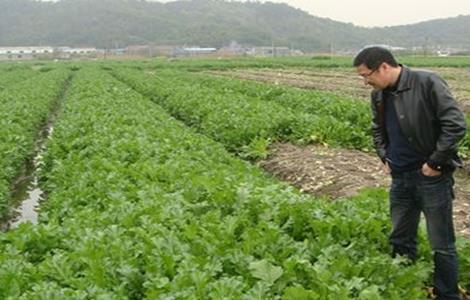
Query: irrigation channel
26	193
29	192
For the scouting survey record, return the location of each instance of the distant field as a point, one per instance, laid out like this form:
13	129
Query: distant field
344	81
305	62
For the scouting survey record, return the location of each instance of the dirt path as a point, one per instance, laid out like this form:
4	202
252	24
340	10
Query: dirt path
344	81
337	173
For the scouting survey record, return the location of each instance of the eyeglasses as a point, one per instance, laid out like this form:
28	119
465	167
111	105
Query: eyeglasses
366	76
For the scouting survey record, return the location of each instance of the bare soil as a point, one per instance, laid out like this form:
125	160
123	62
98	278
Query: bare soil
344	81
337	173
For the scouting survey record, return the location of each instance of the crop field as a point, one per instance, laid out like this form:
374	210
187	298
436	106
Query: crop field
204	179
343	80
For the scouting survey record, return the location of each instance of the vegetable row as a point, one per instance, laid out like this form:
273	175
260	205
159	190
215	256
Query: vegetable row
10	75
24	109
246	115
239	118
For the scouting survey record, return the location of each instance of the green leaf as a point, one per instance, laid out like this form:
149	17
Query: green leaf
265	271
299	293
370	293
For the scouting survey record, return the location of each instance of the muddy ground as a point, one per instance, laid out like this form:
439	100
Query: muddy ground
345	81
323	171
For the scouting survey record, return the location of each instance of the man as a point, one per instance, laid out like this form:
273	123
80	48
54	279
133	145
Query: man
416	129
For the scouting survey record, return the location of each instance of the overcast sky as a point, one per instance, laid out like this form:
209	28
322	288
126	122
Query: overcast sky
381	13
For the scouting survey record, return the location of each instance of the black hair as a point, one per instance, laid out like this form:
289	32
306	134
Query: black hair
373	57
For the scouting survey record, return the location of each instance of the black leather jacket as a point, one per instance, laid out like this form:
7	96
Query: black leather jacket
428	115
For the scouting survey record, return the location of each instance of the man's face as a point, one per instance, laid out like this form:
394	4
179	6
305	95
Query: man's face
374	77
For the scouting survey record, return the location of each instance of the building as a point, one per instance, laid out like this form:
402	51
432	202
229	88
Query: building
68	52
28	53
443	53
149	50
193	51
269	51
25	53
234	49
388	47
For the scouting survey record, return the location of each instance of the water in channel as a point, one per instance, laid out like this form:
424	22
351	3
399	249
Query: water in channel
27	193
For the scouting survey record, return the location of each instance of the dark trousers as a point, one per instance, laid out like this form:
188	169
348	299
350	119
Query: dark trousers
410	194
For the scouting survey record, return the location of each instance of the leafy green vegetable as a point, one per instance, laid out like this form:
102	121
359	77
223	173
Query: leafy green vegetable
24	108
265	271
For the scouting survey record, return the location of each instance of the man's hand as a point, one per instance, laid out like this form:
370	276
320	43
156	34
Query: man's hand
428	171
386	168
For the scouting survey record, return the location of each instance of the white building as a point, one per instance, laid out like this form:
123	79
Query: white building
269	51
82	51
388	47
19	53
193	51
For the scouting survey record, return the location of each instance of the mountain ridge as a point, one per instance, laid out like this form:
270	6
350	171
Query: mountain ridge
214	23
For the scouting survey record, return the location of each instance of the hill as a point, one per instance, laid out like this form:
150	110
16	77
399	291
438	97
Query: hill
215	23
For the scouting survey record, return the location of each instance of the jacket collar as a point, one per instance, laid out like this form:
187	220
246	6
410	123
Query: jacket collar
404	82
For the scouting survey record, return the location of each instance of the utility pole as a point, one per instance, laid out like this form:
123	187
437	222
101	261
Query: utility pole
426	40
272	47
